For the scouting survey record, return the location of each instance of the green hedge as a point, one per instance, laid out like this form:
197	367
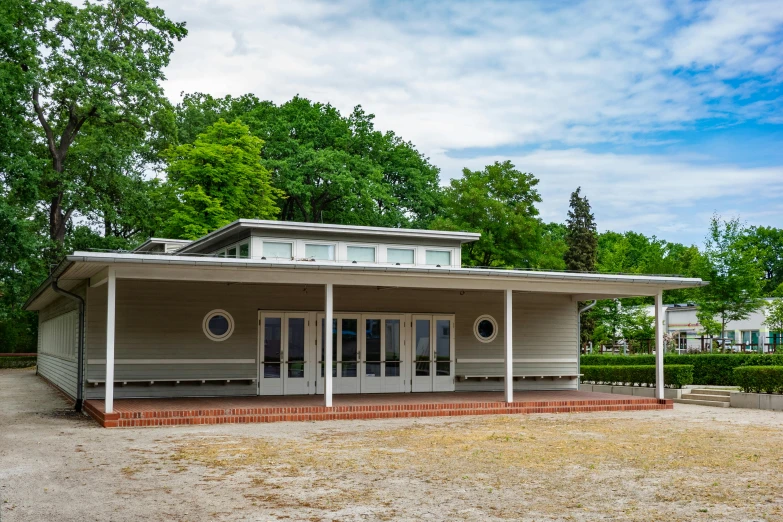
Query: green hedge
716	369
674	375
17	362
759	379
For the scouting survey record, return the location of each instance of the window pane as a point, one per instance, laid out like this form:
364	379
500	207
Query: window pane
439	257
244	251
422	347
319	252
403	256
392	347
272	345
392	369
274	250
361	254
218	325
373	347
296	347
443	347
232	252
350	351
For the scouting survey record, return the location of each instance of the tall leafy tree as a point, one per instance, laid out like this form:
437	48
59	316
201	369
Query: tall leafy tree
96	68
735	278
768	242
217	180
500	203
332	168
581	236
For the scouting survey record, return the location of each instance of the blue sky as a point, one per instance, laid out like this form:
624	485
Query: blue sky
662	111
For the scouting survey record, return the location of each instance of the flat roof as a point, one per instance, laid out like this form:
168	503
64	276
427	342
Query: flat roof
83	265
298	226
160	241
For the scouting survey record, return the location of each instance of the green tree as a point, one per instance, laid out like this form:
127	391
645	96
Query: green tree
332	168
217	180
774	320
768	242
94	68
581	236
735	278
498	202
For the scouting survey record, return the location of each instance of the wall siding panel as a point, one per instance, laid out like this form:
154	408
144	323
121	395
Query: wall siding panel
59	370
163	320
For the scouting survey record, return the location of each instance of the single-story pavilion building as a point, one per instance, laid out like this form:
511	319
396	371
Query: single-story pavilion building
259	309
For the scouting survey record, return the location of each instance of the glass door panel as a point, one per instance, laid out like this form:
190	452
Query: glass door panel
422	347
443	347
296	348
349	349
334	347
392	345
372	340
273	344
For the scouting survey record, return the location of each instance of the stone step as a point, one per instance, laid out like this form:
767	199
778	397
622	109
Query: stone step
706	397
710	391
717	404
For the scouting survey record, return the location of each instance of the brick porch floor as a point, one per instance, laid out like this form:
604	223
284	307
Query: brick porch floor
225	410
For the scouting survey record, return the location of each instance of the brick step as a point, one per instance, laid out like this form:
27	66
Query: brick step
718	404
710	391
706	397
319	410
388	414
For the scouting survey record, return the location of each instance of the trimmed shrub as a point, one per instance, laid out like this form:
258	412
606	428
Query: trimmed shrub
716	369
759	379
674	375
17	362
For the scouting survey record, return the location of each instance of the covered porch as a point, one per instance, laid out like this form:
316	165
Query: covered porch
253	409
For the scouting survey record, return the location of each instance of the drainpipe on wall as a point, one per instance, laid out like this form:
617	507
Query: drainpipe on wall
579	340
80	349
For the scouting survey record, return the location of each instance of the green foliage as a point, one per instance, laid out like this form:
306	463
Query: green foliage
499	202
17	362
729	264
94	74
581	236
708	369
332	169
759	379
217	180
774	316
675	375
767	242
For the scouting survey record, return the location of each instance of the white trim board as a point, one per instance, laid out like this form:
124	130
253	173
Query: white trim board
174	361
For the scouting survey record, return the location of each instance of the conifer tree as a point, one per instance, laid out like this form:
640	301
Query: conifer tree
581	236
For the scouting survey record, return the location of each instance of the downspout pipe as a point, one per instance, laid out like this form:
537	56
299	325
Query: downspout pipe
579	340
80	350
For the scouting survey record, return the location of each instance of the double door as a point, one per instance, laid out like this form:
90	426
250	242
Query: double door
367	353
433	353
286	354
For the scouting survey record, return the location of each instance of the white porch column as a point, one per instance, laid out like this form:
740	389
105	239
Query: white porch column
111	296
329	312
659	345
509	350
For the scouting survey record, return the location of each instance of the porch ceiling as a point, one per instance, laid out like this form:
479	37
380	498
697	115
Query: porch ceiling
582	286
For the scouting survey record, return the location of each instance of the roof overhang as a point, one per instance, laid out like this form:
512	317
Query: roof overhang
93	267
295	226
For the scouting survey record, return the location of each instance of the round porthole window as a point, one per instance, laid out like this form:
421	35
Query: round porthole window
218	325
485	328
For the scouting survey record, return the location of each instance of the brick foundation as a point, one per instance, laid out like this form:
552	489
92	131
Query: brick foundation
174	412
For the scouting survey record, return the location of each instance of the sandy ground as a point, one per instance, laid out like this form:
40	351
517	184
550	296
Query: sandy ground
692	463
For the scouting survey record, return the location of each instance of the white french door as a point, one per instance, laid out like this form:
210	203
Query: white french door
383	368
345	353
285	354
432	347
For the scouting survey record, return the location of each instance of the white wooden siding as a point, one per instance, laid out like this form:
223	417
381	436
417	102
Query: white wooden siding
162	320
58	341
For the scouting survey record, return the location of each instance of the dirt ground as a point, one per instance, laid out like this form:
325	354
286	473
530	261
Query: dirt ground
692	463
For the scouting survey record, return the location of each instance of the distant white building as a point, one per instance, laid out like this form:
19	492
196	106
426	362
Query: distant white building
748	335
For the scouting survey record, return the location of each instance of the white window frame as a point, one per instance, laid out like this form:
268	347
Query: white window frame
400	247
237	245
342	252
423	256
277	240
479	319
302	249
210	335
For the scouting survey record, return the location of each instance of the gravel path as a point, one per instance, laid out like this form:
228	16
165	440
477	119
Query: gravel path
690	463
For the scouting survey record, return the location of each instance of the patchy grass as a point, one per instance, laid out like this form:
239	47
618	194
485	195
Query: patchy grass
17	362
503	466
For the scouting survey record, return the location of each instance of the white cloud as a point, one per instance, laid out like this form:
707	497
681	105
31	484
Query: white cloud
454	75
